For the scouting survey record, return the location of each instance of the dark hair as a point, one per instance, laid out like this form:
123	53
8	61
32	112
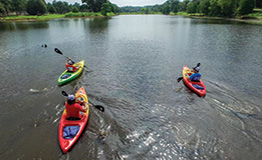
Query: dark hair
70	101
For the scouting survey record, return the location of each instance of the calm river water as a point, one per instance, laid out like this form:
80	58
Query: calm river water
133	63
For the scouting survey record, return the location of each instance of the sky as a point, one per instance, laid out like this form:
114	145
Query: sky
121	3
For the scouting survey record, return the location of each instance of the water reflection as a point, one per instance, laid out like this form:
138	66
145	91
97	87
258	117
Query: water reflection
215	21
9	26
97	25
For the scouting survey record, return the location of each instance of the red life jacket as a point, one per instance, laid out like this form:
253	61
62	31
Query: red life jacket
71	68
73	110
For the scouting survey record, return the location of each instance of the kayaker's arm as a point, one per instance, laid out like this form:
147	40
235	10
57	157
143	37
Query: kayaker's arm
84	107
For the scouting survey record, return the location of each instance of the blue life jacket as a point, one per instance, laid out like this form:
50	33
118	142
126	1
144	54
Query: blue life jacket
195	77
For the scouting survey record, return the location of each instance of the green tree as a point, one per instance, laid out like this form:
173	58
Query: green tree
228	7
95	5
83	8
61	7
6	5
183	5
36	7
174	6
245	7
106	8
75	9
114	7
165	9
204	6
2	9
51	9
19	6
192	7
145	10
214	9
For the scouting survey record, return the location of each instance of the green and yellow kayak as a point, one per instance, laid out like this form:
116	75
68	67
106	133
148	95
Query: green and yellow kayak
69	76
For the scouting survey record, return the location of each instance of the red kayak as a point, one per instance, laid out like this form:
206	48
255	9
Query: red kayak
197	87
66	140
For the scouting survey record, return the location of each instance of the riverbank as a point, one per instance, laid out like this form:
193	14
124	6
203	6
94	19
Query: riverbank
51	16
252	18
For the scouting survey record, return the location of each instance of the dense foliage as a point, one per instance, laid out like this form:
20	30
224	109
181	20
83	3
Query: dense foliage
36	7
223	8
39	7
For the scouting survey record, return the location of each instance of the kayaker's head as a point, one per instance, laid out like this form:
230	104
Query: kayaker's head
70	62
70	99
196	69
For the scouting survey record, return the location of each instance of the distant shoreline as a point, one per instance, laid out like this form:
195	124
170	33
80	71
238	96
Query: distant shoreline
23	18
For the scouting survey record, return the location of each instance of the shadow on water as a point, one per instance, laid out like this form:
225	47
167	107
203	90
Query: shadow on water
216	21
10	26
96	25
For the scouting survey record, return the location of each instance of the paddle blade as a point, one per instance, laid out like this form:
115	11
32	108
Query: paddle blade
198	64
64	93
101	108
179	79
58	51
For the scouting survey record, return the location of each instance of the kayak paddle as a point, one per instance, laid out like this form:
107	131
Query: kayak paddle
99	107
59	52
180	78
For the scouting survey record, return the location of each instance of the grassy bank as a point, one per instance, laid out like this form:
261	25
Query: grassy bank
31	18
252	18
52	16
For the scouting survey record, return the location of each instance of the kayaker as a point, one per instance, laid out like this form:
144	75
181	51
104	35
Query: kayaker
74	109
70	66
195	76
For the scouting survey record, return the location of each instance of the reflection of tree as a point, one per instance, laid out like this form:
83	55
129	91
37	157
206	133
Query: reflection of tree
7	26
22	26
96	25
33	25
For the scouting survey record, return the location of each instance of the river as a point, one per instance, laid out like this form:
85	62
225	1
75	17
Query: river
132	63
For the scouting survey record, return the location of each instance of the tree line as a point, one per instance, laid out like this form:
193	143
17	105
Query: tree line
220	8
40	7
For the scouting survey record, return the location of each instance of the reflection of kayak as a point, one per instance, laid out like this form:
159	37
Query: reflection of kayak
197	87
68	76
70	130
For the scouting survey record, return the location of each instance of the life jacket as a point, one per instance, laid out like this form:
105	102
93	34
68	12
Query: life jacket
73	110
71	68
195	77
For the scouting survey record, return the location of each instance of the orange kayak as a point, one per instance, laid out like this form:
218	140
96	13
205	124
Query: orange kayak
197	87
65	142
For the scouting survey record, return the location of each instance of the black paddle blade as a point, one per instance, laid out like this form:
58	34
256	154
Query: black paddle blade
64	93
198	65
101	108
179	79
58	51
